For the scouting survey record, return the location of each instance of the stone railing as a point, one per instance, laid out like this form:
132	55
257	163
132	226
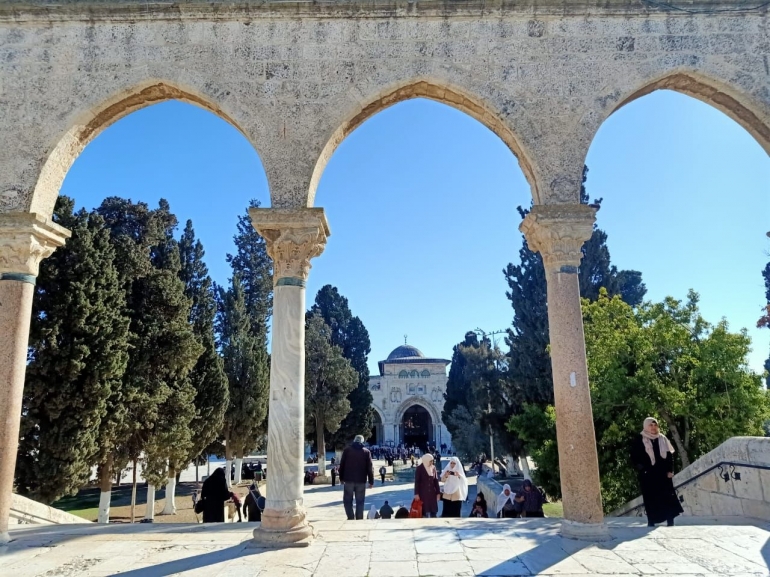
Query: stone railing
28	512
731	480
490	489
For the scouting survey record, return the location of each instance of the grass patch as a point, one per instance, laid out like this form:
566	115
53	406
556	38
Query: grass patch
553	509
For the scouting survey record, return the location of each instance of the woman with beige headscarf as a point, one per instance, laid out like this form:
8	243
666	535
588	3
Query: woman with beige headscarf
652	455
426	487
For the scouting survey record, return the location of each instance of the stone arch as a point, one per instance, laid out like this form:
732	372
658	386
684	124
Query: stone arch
452	96
715	93
88	125
424	403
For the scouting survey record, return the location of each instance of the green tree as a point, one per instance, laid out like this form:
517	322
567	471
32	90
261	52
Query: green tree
208	376
246	367
78	341
350	334
329	379
764	320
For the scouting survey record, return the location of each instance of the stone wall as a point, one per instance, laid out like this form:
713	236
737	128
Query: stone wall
705	493
297	77
28	512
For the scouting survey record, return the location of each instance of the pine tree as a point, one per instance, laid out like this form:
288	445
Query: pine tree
764	320
208	376
456	390
78	342
350	334
329	379
246	367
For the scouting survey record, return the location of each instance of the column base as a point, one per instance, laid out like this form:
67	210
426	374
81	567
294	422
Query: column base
282	528
5	537
585	531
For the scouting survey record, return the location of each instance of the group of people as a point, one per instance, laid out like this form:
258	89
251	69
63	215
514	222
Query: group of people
429	493
215	493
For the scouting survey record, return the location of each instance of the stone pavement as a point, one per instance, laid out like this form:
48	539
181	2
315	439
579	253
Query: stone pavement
392	548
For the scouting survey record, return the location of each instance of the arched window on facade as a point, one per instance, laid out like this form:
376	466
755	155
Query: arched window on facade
403	375
425	374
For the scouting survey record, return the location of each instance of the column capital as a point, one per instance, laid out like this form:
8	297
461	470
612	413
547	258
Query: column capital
25	240
557	232
293	237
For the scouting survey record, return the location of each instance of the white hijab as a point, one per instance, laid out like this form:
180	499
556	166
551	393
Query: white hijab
457	481
372	513
502	498
427	461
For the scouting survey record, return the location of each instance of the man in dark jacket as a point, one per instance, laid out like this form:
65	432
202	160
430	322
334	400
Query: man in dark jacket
356	468
386	511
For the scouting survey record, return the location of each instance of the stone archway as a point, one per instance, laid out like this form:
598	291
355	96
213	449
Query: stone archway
449	95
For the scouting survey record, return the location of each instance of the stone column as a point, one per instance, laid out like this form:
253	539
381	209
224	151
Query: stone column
25	240
558	232
293	237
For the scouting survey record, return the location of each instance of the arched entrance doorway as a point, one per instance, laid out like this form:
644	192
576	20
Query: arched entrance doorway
417	427
376	437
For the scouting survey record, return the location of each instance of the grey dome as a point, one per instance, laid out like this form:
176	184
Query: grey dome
405	352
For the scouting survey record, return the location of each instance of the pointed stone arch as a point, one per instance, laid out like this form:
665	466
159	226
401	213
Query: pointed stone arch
89	124
452	96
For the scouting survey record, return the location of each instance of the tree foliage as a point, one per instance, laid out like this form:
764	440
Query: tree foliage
78	354
329	379
350	335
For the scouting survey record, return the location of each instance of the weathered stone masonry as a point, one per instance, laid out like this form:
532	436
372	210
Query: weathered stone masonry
296	77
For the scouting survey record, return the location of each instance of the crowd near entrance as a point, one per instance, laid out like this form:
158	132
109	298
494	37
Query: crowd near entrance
417	428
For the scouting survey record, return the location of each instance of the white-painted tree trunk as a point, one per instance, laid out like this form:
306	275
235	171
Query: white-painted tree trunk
228	468
104	506
525	467
149	511
170	505
238	466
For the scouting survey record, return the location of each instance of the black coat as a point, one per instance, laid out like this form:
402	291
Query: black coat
427	488
250	506
214	495
356	465
660	500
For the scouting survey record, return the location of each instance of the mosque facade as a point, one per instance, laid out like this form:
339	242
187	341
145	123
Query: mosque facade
408	397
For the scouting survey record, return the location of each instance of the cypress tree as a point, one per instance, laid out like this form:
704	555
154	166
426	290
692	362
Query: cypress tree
350	334
246	367
764	320
78	354
208	376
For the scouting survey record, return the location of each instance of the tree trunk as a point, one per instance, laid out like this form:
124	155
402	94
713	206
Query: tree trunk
321	445
228	461
105	488
133	494
170	505
676	438
149	510
238	466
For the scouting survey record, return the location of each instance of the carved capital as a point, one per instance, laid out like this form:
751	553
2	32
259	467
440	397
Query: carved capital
293	237
557	232
25	240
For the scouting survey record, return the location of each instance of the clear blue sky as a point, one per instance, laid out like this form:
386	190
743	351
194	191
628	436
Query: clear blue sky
421	200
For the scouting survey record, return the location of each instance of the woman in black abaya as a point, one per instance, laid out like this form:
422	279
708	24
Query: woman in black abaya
653	458
214	495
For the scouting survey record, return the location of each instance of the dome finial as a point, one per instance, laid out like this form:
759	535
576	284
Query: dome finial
405	339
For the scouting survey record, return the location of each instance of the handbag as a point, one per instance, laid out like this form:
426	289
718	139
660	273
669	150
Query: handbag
415	511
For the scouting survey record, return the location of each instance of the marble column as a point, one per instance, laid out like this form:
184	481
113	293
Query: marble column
558	232
293	237
25	240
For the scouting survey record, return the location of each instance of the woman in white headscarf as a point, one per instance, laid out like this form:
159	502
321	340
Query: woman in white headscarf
372	513
455	488
506	503
426	487
653	457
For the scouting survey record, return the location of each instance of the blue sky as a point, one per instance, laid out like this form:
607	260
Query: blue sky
421	200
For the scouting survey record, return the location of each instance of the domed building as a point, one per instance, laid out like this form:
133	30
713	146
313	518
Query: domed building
408	397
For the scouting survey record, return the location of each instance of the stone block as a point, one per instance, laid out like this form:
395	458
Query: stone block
723	505
750	485
756	509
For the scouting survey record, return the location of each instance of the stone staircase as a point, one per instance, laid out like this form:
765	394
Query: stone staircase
28	512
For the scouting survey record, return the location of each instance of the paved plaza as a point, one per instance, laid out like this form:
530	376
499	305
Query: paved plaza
390	548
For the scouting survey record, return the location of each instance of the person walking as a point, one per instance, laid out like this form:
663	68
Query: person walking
426	488
506	503
383	470
251	504
455	488
356	468
334	475
386	511
652	455
530	500
214	494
